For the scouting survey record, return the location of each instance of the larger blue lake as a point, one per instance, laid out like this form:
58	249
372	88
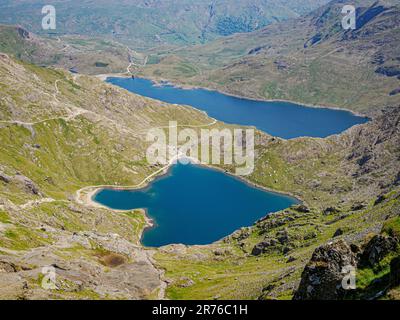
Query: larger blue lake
195	205
281	119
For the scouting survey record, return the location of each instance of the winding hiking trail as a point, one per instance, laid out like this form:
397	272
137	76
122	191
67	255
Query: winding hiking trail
131	63
73	112
84	196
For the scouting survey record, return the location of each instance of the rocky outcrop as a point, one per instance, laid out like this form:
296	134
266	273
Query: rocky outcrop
377	249
389	71
23	33
283	236
394	91
28	184
331	210
338	233
7	267
302	208
263	247
322	276
4	178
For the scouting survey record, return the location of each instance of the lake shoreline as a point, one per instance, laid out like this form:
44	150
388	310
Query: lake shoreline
163	82
152	223
88	198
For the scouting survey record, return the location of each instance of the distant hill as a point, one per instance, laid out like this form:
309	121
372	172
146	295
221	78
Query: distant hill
149	23
76	53
310	59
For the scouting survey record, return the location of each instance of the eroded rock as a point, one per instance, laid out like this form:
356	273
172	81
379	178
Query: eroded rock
322	277
5	178
302	208
376	249
263	247
29	185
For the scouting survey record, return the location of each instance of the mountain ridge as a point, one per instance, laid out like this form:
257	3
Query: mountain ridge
145	24
349	69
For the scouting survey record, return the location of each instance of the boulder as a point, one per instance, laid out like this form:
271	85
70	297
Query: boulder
29	185
302	208
322	277
240	235
310	235
357	206
263	247
7	267
394	92
377	249
338	233
282	236
330	210
5	178
222	252
291	259
380	199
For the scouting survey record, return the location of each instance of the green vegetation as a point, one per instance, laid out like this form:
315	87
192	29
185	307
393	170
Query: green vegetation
75	131
4	217
230	25
144	26
226	271
392	227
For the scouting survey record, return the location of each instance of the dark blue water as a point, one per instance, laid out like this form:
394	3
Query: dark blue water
195	205
281	119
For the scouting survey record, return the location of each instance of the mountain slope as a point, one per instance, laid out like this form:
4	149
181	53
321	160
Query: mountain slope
310	60
61	132
78	53
144	24
350	187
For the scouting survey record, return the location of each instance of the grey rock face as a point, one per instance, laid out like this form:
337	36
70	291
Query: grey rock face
376	249
29	185
263	247
338	233
5	178
302	208
322	276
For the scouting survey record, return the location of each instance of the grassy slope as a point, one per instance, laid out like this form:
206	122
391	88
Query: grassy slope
322	174
104	146
84	55
236	275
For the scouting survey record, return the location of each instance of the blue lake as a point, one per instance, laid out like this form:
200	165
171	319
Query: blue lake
281	119
195	205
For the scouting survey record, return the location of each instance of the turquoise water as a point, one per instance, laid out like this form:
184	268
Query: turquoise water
195	205
281	119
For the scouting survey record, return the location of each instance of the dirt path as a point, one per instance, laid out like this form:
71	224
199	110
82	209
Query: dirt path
89	191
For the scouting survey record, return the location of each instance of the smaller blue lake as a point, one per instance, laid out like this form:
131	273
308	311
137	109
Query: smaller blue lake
195	205
281	119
